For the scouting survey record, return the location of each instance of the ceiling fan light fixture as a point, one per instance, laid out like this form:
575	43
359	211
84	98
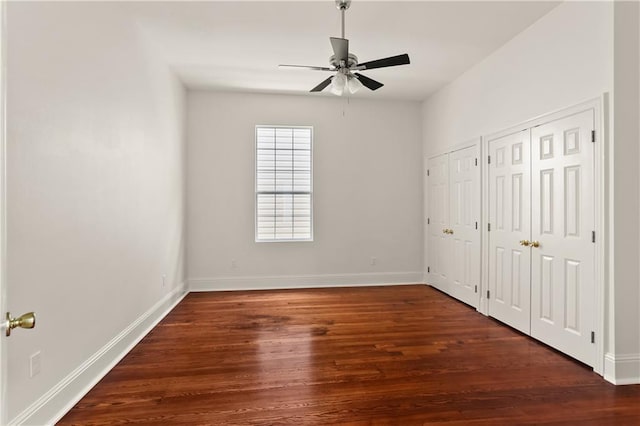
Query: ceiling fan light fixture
338	84
353	84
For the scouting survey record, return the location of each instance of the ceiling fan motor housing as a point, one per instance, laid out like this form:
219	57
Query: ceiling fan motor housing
352	62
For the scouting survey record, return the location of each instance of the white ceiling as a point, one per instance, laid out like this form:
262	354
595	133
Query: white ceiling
237	45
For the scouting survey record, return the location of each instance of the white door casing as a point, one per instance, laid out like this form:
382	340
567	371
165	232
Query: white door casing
509	219
464	216
562	267
438	169
3	206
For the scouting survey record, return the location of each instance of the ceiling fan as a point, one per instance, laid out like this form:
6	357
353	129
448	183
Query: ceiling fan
346	65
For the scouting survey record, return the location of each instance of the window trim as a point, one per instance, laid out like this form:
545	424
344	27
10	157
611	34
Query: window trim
255	185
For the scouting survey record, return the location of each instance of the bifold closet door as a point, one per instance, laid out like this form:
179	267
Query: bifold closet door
464	216
562	270
439	257
509	218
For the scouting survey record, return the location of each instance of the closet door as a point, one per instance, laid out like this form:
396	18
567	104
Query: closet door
509	218
439	251
464	214
562	272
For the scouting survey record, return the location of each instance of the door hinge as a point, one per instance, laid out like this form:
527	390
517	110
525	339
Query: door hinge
476	225
489	159
476	161
489	227
593	136
593	236
593	337
427	172
488	294
428	269
476	289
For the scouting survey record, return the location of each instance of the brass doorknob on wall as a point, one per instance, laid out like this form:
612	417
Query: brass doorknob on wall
445	231
450	231
525	243
27	320
535	244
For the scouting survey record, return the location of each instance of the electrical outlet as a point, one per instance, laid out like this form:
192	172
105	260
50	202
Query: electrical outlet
164	280
374	261
35	364
234	264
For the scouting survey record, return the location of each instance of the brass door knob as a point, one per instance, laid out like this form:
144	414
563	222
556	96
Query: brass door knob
27	320
535	244
450	231
445	231
525	243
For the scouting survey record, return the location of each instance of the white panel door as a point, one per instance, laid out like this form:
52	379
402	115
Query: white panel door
439	257
562	266
509	218
464	214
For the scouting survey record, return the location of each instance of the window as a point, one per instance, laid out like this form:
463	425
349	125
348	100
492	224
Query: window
284	196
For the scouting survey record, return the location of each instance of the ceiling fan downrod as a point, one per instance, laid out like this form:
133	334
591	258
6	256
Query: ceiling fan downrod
343	5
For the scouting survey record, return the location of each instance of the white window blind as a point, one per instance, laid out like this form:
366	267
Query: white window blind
284	196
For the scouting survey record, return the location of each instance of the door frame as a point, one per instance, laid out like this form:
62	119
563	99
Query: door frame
601	153
3	285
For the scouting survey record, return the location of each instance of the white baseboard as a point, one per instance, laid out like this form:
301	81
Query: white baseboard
54	404
304	281
623	369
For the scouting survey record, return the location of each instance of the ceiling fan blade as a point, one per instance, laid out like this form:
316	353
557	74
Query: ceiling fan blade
386	62
320	87
340	49
307	67
369	82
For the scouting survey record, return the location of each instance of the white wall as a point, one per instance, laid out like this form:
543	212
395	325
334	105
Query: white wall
367	192
95	185
565	58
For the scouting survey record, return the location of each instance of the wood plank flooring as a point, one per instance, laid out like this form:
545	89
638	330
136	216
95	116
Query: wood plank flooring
401	355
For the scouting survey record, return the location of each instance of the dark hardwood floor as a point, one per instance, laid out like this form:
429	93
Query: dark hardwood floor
400	355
